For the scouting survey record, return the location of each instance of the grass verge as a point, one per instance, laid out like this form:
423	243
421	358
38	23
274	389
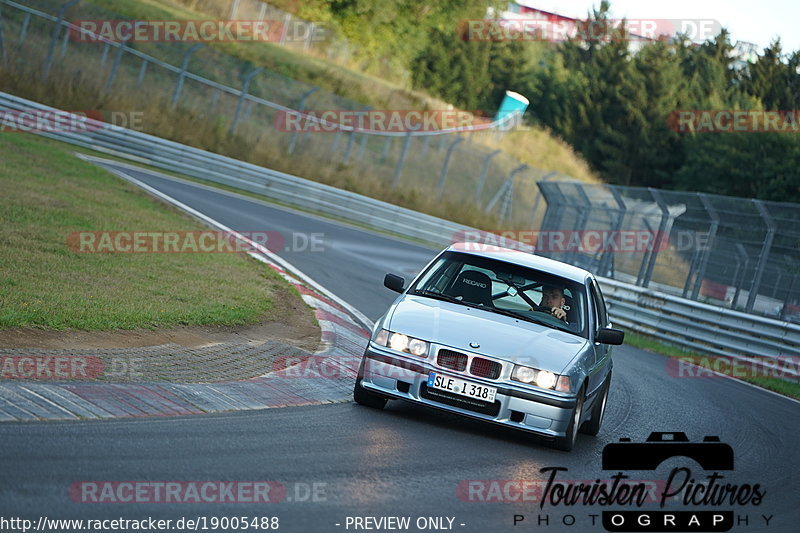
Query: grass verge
48	193
787	388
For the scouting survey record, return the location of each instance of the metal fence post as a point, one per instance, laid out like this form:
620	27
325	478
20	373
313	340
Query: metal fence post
712	234
662	230
746	259
23	31
337	139
362	146
349	148
285	30
607	264
115	66
234	9
401	161
496	197
692	267
504	192
142	71
484	174
64	42
445	166
246	79
309	37
184	65
104	56
300	107
762	259
48	63
580	222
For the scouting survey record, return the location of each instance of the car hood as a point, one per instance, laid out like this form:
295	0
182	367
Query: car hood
499	336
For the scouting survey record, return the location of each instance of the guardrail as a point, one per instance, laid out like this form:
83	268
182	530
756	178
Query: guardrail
696	326
773	346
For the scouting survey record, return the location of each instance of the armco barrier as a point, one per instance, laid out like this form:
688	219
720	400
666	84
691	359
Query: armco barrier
176	157
692	325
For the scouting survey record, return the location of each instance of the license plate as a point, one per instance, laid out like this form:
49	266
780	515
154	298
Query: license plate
461	387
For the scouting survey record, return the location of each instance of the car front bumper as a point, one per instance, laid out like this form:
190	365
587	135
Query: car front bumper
397	376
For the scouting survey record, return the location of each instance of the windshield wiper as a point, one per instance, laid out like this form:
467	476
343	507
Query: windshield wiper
516	315
445	297
531	319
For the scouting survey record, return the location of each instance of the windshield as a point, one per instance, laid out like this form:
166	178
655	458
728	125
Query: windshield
507	289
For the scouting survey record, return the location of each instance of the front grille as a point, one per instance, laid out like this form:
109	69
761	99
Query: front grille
455	400
484	368
453	360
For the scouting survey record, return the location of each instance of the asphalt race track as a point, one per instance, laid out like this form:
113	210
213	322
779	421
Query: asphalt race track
405	460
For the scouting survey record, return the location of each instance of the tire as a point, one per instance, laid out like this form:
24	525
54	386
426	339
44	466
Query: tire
368	398
566	442
592	426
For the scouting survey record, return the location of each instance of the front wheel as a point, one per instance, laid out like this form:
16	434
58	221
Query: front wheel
368	398
592	426
566	442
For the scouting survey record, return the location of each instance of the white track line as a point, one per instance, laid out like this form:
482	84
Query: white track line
358	315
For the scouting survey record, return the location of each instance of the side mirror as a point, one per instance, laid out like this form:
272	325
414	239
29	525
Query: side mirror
610	336
394	282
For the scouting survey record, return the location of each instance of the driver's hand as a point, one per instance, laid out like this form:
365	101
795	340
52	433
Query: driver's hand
558	313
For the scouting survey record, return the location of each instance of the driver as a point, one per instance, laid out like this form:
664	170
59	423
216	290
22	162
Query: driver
552	302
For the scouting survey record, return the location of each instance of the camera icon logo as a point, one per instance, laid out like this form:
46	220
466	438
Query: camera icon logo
711	454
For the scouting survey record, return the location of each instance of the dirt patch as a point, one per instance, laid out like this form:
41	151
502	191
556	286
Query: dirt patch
306	337
297	327
196	354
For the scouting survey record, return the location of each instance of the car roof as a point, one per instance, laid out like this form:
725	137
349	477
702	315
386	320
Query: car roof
526	259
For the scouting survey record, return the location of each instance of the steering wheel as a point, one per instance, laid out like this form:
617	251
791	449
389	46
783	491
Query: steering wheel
547	317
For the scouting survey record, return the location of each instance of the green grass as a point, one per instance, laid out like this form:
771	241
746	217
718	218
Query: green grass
787	388
48	193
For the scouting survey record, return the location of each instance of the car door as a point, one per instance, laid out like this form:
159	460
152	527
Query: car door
602	351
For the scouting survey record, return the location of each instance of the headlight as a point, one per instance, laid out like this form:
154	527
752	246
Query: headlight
417	347
398	341
382	337
402	343
523	374
543	379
